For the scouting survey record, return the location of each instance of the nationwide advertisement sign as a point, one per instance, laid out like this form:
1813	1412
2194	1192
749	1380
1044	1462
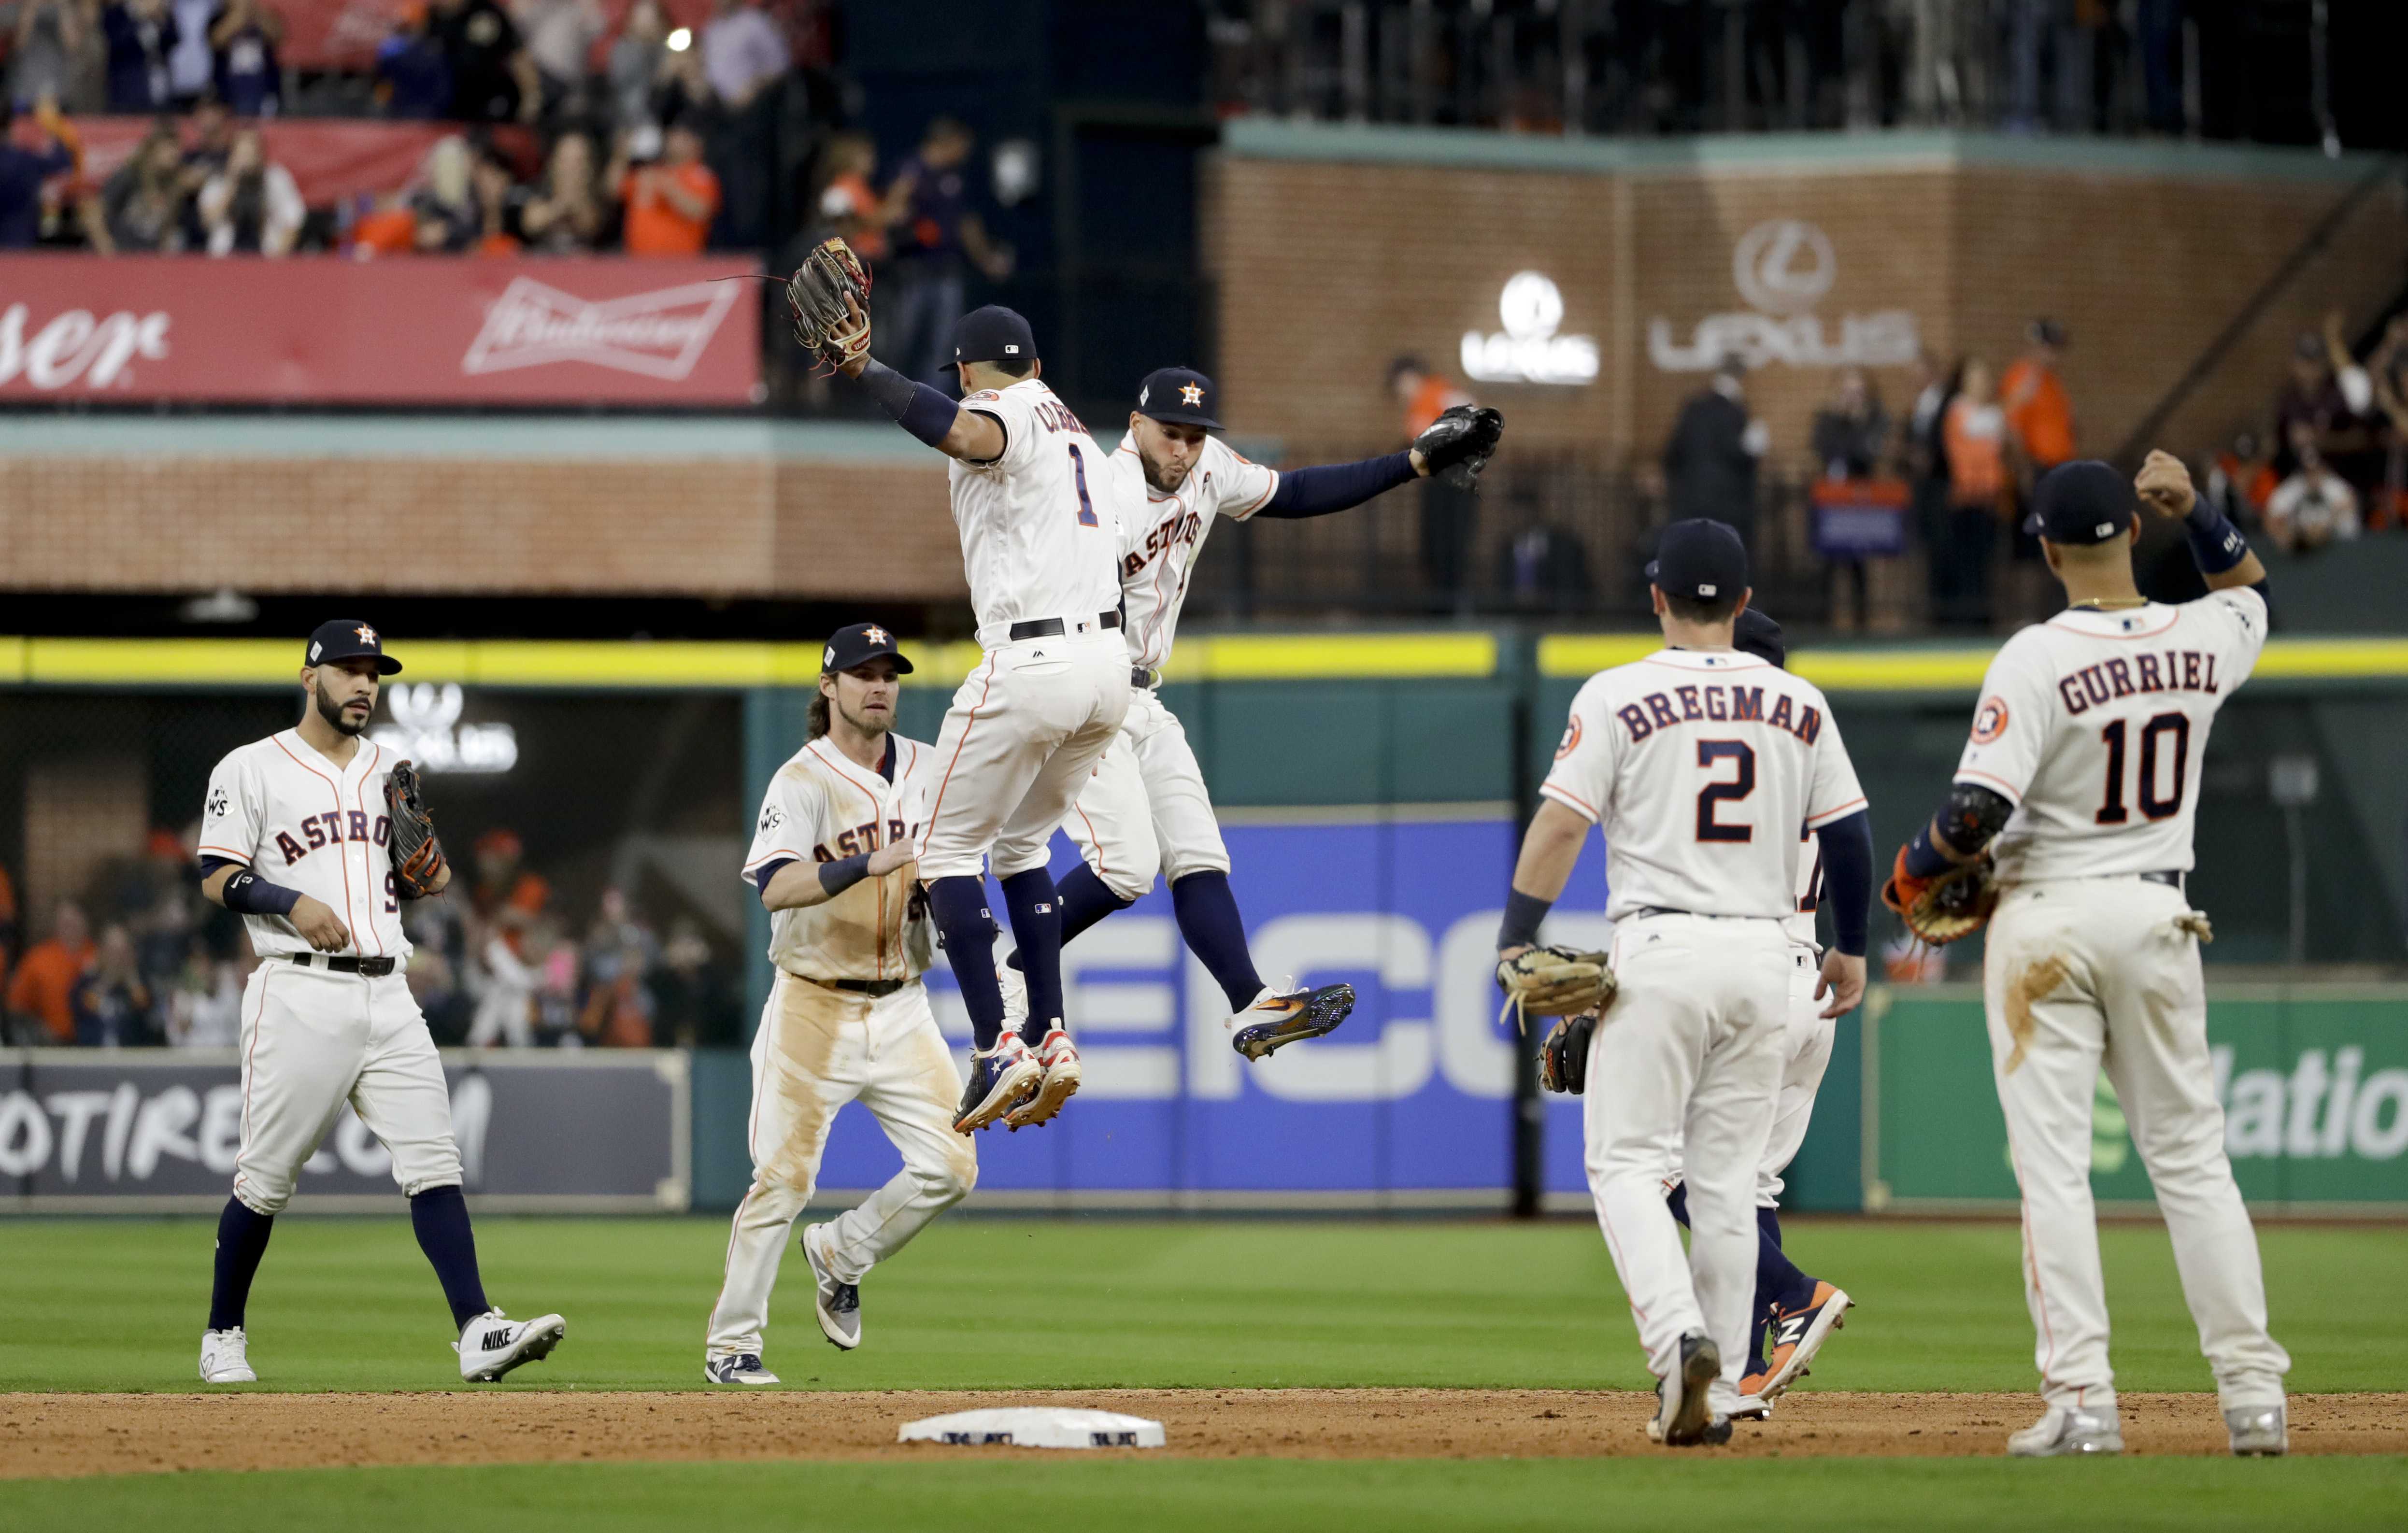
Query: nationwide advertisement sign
157	1130
2315	1088
324	330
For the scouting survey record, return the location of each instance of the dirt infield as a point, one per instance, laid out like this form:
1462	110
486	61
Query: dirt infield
64	1435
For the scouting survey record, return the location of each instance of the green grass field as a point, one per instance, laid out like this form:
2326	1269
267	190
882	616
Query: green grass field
350	1305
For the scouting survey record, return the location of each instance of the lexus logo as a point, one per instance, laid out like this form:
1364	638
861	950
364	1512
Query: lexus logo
1784	266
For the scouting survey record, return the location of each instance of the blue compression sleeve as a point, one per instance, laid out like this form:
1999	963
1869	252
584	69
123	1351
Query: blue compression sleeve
1336	486
1848	879
248	893
2215	544
761	876
915	406
842	874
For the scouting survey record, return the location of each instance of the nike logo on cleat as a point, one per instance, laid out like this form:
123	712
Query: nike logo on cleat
492	1341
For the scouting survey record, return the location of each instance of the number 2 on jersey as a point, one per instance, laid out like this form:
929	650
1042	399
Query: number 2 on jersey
2110	809
1742	784
1079	472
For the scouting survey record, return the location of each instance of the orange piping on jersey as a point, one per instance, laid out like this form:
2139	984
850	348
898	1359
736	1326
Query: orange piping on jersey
1265	497
875	813
1571	799
226	851
1845	810
1096	840
2171	620
344	863
359	797
258	1021
972	722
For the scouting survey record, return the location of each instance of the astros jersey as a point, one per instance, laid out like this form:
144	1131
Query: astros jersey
2092	724
1700	765
1039	530
1163	535
297	820
821	806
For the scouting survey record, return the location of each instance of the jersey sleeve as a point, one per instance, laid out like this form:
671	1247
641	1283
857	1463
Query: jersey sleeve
1241	485
1833	791
2240	615
233	812
1582	778
1013	410
2011	727
788	827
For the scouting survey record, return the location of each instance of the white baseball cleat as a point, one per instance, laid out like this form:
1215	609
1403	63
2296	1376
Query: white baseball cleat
836	1301
1060	1058
1683	1417
492	1343
2066	1433
736	1367
1015	996
999	1079
1798	1335
225	1358
2259	1431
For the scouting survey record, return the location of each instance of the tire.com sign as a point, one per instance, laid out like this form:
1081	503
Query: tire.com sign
325	330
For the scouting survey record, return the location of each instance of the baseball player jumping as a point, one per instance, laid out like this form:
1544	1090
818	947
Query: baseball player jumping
2073	810
1039	531
1144	809
315	838
1699	762
848	1018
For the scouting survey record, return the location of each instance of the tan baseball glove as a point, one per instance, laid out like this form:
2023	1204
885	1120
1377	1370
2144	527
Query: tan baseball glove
829	297
1555	981
1946	907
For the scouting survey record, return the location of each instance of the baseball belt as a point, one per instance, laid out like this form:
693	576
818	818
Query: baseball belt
374	968
1142	676
858	987
1055	628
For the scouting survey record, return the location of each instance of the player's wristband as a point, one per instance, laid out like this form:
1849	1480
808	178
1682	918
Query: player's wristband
842	874
915	406
1522	913
1923	859
2216	543
248	893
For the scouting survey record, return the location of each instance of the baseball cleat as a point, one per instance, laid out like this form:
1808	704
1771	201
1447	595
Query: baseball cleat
999	1078
1798	1335
226	1360
2064	1433
738	1367
1750	1406
494	1344
1280	1017
2259	1431
1015	997
1682	1419
838	1302
1060	1058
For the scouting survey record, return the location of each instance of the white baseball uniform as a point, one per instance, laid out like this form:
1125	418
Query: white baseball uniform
1698	764
847	1020
2093	724
313	1038
1040	527
1145	810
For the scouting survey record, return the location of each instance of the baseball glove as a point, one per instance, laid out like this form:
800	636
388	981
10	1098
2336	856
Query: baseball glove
1550	981
1459	443
1946	906
829	295
1563	1058
417	858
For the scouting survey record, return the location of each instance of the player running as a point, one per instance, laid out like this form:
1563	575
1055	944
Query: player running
848	1017
1144	809
297	837
1699	762
2074	802
1038	535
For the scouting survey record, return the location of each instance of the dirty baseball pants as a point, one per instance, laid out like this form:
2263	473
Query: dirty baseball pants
314	1040
2081	973
1689	1055
819	1048
1143	808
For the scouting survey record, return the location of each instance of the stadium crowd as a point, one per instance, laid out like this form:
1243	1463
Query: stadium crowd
143	960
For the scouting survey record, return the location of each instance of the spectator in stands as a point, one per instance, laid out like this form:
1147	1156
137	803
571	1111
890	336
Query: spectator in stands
1851	434
190	65
2033	399
742	52
640	68
2240	482
505	892
1447	512
23	170
413	77
691	999
449	220
505	1013
205	1002
141	38
1975	437
435	983
847	205
2315	506
560	37
670	205
566	212
1710	462
2326	393
142	204
253	205
39	1008
938	236
8	917
618	1009
110	1003
492	79
242	44
496	191
57	49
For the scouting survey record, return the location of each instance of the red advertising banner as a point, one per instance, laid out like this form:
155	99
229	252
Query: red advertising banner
326	330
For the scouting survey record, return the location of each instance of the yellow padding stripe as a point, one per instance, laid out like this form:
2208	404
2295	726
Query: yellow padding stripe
1961	668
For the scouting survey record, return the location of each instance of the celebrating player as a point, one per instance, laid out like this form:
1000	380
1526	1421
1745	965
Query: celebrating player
2073	808
1039	534
848	1018
1699	762
327	1017
1145	809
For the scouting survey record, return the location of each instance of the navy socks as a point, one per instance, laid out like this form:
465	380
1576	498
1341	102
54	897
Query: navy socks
440	1217
242	1240
1216	934
1029	900
967	926
1778	1281
1083	900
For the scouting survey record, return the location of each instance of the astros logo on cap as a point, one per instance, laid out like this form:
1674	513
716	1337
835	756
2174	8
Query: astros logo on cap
367	635
877	636
1191	393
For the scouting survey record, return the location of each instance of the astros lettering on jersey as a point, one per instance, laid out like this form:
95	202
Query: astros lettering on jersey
1162	536
296	819
1039	525
821	806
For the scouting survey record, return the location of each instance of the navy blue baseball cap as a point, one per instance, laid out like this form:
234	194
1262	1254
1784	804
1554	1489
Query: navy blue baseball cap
994	333
858	644
1179	394
1701	559
1759	636
2084	502
348	639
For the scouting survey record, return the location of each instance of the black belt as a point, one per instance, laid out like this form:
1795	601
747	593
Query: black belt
2167	876
374	968
861	988
1141	677
1052	627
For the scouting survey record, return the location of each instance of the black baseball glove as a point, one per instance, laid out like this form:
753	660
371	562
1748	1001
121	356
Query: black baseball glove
829	297
1563	1058
1459	443
417	857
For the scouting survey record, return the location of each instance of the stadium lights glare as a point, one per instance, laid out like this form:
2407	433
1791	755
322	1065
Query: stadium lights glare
682	40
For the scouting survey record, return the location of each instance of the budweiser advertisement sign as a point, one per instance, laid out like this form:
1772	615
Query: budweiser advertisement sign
327	330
